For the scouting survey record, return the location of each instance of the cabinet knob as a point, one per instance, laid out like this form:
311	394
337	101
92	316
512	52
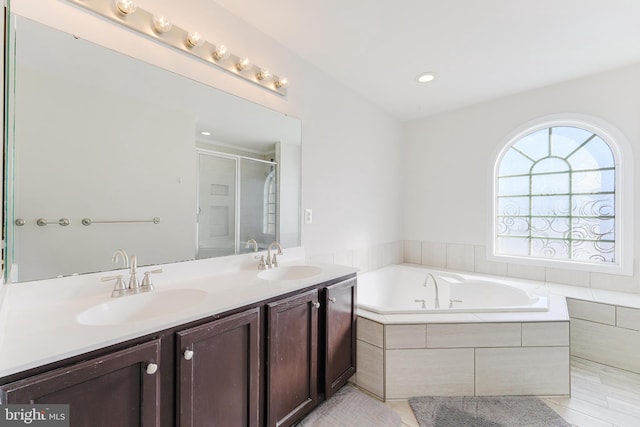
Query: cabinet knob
332	299
152	368
188	354
316	304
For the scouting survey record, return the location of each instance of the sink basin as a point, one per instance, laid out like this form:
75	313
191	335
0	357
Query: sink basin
148	305
291	272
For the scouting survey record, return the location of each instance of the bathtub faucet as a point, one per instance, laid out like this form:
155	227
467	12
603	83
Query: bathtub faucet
435	284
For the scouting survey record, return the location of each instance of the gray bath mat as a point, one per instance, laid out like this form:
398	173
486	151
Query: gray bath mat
471	411
351	408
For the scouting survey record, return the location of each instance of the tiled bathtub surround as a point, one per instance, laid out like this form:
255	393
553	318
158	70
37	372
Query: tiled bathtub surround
613	340
366	258
605	333
473	258
397	361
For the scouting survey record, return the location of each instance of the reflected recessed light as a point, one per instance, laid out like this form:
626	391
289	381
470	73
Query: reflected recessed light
205	133
425	77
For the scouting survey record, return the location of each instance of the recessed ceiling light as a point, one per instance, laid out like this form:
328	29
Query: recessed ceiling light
425	77
205	133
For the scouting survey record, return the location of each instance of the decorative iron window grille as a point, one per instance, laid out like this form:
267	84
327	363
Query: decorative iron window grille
556	197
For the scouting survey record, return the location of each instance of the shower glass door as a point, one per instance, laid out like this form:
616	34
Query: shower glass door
217	192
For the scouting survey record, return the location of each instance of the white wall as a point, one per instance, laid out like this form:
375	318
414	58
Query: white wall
448	156
351	150
289	157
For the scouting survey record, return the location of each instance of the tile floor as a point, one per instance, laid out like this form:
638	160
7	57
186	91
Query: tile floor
601	396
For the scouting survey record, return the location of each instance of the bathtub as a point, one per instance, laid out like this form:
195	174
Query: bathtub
406	289
489	336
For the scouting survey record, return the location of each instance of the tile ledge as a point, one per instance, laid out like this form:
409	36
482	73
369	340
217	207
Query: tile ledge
600	296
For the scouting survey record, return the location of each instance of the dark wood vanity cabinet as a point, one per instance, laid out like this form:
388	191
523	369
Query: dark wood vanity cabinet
268	363
292	357
311	349
218	368
339	335
121	388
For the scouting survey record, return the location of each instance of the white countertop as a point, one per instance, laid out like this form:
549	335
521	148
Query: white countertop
38	322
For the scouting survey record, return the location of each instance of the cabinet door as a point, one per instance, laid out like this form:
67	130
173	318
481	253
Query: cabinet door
120	389
340	335
218	372
292	358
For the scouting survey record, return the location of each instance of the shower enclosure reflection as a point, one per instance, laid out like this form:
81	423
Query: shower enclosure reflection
237	203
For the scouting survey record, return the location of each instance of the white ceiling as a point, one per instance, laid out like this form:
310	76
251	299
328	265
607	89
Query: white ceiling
480	49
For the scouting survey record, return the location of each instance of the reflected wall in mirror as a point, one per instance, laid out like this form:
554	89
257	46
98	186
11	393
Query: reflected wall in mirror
96	134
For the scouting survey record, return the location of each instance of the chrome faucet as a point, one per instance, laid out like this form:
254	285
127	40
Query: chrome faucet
119	288
262	265
273	261
252	243
120	253
134	286
451	301
147	284
134	283
435	284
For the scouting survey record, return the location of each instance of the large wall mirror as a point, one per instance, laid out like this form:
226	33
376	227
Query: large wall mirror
104	152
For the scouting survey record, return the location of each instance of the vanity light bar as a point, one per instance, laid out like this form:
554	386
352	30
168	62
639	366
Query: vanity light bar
125	12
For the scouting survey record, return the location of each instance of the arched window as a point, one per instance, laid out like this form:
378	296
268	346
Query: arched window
558	198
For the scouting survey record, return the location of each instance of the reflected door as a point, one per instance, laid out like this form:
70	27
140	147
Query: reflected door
217	182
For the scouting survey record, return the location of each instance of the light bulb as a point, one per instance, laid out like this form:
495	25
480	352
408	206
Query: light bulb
220	53
264	75
161	24
194	39
281	83
243	65
126	7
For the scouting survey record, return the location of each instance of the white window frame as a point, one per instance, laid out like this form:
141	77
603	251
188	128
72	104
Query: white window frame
624	197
